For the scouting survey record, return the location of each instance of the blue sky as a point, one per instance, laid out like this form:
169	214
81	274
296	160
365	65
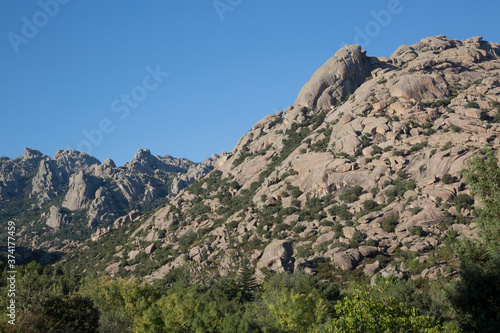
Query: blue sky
100	67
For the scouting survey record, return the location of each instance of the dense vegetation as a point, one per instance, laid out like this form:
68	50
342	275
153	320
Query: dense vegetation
54	301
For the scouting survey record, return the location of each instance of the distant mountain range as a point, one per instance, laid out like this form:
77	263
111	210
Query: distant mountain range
68	197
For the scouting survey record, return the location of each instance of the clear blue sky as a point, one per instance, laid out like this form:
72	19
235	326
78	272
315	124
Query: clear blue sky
74	72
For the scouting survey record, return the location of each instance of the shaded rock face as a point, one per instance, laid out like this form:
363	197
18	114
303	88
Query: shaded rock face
337	78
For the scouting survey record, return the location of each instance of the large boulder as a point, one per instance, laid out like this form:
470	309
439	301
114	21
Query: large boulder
277	257
345	260
337	78
419	87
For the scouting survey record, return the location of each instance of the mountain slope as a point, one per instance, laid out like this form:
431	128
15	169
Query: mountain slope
360	176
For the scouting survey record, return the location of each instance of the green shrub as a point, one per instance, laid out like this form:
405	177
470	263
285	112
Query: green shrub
370	310
418	146
340	211
389	224
463	201
326	223
370	206
298	229
447	146
472	105
376	150
351	195
400	152
357	238
448	179
415	210
295	192
416	231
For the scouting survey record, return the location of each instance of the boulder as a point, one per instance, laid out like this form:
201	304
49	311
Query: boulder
150	249
389	270
344	260
419	87
337	78
277	257
349	232
371	268
328	237
368	251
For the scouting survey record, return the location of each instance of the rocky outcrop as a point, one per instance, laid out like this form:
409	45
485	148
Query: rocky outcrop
16	173
337	78
56	218
194	172
145	162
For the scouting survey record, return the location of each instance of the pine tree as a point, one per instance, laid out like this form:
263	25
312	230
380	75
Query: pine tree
247	282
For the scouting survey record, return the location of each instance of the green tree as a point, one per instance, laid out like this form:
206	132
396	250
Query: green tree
247	282
364	312
293	312
294	302
47	301
195	308
119	301
476	295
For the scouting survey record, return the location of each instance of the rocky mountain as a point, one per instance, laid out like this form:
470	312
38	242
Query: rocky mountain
360	176
70	195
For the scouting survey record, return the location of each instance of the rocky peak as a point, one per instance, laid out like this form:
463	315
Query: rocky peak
32	154
145	162
432	51
74	161
336	79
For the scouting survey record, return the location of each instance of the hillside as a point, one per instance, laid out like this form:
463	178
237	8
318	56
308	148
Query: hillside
361	175
59	201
